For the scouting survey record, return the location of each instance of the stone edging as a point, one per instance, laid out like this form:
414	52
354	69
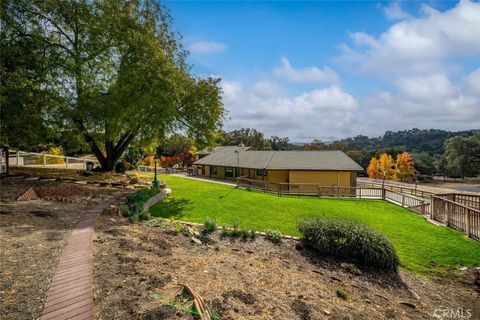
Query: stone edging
260	233
156	199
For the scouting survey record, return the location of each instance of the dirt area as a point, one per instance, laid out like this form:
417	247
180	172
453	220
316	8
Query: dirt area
32	237
137	269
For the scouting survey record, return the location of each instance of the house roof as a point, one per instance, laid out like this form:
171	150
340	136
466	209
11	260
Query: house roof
280	160
210	150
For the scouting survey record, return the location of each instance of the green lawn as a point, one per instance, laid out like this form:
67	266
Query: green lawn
421	246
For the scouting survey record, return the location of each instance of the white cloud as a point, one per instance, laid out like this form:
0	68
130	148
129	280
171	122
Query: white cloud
206	47
395	12
267	107
431	101
420	45
304	75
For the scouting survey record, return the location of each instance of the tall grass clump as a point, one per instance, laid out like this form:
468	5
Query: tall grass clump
349	239
209	226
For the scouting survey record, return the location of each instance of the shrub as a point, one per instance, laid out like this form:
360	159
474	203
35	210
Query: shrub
349	239
247	233
133	209
51	160
209	226
274	236
123	166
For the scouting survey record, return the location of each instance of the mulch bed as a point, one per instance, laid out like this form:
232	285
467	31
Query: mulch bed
137	270
33	235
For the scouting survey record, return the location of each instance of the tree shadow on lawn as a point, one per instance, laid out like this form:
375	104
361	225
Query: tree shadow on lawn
171	207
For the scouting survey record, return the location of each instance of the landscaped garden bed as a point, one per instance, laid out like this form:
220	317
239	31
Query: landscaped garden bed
33	235
422	247
138	269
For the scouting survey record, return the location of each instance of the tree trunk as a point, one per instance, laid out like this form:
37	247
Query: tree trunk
114	153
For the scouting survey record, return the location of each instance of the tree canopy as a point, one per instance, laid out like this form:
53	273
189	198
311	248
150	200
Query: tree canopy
108	73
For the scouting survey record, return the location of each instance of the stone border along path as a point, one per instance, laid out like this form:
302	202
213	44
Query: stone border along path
70	295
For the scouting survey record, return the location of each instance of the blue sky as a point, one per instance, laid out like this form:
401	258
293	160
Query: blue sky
335	69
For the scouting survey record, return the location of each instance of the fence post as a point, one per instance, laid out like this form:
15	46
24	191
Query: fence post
403	200
383	193
360	193
468	223
448	205
44	160
432	207
84	164
66	162
18	157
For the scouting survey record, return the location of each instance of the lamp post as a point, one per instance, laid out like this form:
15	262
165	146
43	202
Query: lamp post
156	183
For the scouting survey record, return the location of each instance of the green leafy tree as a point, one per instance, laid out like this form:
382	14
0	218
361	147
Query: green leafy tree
463	154
249	137
423	163
116	72
278	143
174	145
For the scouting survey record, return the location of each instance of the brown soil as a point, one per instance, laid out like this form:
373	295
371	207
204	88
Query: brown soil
137	270
32	237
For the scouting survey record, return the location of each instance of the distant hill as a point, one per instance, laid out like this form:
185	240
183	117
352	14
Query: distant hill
414	140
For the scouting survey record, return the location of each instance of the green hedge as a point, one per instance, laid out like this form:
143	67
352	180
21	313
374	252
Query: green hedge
349	239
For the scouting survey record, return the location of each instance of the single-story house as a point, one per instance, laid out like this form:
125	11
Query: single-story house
325	168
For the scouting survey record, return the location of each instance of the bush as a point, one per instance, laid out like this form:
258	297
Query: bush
51	160
349	239
274	236
123	166
133	209
342	294
209	226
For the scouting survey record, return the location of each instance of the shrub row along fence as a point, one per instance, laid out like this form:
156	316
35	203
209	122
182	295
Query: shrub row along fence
464	216
310	189
455	210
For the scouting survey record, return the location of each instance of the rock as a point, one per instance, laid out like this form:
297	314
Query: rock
196	240
192	232
351	268
415	294
326	312
463	269
408	304
368	301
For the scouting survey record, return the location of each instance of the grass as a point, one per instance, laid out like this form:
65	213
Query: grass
422	247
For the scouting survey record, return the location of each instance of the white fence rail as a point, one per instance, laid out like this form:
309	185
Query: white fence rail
43	160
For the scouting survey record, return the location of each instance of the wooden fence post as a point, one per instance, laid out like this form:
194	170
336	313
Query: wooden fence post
383	193
18	157
66	162
360	193
468	223
44	160
403	200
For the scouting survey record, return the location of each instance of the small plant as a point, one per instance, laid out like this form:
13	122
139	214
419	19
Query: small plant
178	227
247	233
121	284
235	232
216	247
349	239
209	226
157	223
342	294
274	236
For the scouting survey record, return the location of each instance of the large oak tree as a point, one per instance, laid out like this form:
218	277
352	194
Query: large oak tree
113	71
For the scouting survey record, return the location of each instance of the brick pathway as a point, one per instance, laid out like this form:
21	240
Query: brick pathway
70	295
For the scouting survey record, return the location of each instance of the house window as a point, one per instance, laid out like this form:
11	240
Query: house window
228	172
261	172
213	170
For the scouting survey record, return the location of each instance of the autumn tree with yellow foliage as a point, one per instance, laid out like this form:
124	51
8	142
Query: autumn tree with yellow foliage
373	169
405	166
